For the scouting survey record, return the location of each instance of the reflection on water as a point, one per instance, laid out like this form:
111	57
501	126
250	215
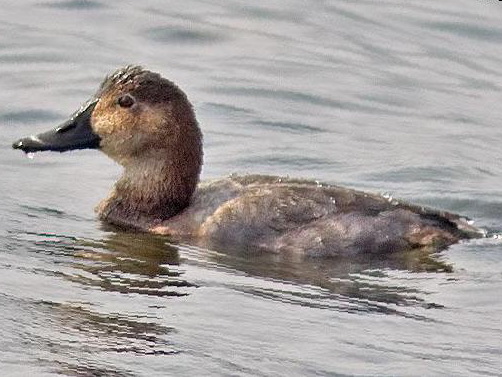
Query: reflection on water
80	333
131	263
126	263
357	284
137	263
101	334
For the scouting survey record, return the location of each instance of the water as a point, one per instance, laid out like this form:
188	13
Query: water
388	96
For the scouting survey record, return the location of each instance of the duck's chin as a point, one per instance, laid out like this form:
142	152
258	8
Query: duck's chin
112	152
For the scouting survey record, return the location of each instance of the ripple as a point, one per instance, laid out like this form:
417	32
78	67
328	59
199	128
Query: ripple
464	29
290	127
183	36
299	97
285	161
29	116
84	341
34	57
417	174
73	4
262	13
226	109
353	16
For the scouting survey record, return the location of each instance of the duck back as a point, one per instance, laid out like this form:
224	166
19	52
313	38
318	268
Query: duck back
298	216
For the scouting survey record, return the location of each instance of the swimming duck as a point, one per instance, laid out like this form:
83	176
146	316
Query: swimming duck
147	124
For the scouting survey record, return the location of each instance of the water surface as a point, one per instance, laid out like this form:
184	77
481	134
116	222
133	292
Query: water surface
388	96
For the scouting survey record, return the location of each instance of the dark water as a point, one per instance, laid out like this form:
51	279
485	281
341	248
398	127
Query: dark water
389	96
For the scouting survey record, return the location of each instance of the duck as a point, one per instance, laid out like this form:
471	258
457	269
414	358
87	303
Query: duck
147	124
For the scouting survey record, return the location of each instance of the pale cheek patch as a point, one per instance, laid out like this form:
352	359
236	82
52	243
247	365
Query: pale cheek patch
107	120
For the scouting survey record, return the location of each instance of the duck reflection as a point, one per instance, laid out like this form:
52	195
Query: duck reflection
129	263
146	264
356	284
83	332
149	270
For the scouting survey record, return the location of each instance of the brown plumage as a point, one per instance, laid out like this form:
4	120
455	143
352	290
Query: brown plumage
147	124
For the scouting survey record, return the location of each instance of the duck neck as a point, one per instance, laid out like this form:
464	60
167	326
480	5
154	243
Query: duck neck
152	190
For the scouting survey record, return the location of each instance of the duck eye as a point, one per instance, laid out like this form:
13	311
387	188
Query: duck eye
126	101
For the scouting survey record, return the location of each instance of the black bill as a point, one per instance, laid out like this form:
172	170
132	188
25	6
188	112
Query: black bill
76	133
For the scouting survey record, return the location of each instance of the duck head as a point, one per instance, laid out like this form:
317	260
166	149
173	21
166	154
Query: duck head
145	123
135	114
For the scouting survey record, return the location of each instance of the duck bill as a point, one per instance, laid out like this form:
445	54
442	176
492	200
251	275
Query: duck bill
76	133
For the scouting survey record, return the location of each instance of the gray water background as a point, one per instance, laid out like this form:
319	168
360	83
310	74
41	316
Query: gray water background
402	97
